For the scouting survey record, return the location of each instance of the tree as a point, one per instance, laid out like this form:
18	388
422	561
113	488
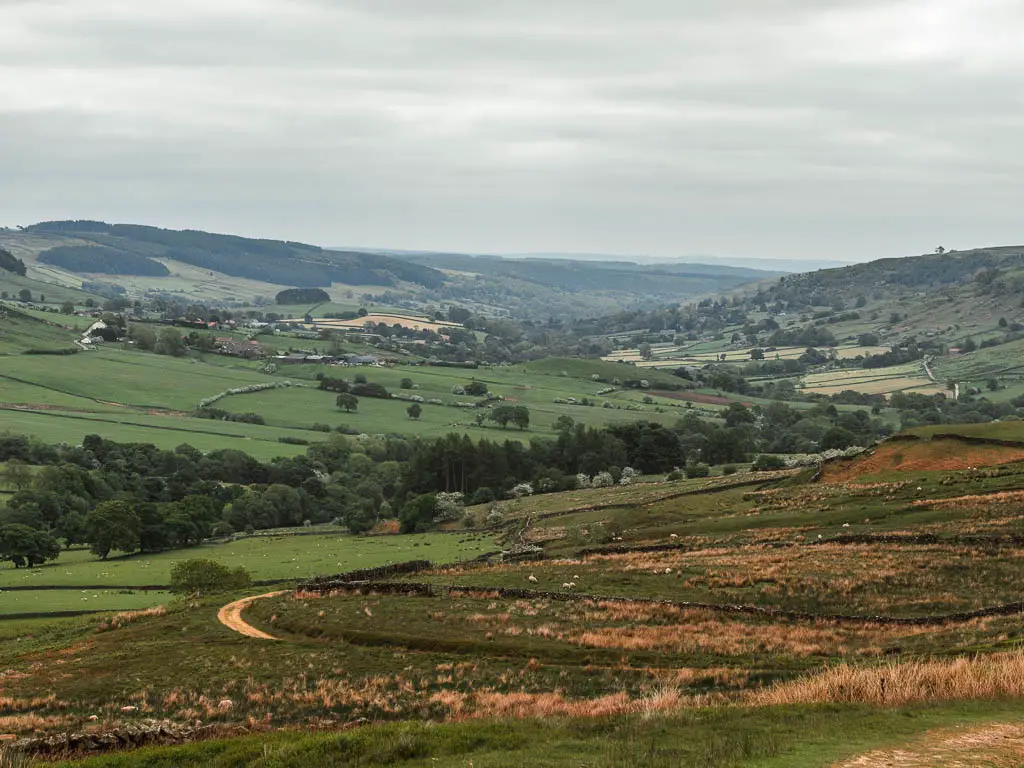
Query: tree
347	401
418	514
17	475
868	340
112	525
25	295
838	438
502	415
406	384
25	546
521	416
564	423
475	388
414	411
205	577
67	308
757	354
170	343
646	351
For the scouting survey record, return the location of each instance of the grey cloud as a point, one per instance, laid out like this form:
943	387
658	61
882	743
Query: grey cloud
845	128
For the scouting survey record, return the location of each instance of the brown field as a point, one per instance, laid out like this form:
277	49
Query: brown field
922	456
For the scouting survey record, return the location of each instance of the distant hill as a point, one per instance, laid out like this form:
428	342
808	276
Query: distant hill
990	271
661	281
131	249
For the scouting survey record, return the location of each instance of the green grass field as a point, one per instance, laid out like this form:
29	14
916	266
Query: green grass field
265	557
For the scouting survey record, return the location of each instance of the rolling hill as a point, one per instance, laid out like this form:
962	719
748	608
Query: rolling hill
95	247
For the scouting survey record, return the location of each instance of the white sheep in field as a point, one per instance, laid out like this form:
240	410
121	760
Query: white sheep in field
674	536
532	579
130	708
565	585
225	705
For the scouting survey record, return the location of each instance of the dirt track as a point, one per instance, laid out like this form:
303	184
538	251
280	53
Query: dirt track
231	616
994	746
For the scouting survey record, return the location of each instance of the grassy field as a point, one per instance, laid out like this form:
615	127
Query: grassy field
910	377
703	353
265	557
19	333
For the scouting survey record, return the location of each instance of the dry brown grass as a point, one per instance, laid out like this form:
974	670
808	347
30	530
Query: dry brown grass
492	704
125	618
995	676
1000	745
924	456
707	632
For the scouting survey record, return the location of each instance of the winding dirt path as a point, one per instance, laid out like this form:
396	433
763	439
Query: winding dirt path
231	616
999	745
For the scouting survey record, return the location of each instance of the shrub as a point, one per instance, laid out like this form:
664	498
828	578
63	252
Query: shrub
448	506
675	474
494	517
205	577
208	401
521	490
767	462
582	480
321	428
602	480
373	389
730	469
700	469
482	495
628	476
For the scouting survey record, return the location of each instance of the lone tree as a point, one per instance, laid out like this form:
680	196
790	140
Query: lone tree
414	411
205	577
347	401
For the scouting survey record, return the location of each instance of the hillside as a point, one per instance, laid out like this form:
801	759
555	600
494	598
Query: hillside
202	266
627	283
94	247
762	619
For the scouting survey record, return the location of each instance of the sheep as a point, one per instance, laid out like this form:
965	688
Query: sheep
565	585
674	536
532	579
93	718
130	708
225	705
846	525
668	570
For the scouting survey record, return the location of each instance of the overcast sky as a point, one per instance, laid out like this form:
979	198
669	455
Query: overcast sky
848	129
